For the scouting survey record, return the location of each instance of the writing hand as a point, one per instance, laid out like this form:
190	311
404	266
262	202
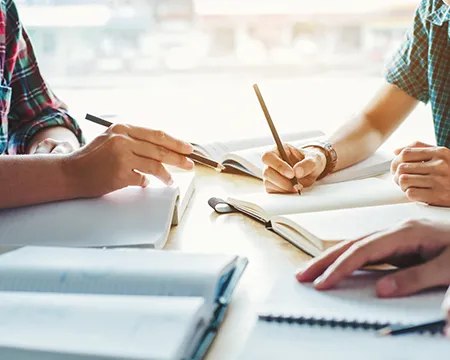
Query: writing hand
423	172
422	247
308	163
121	157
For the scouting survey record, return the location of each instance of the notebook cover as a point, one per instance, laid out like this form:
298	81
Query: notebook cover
223	301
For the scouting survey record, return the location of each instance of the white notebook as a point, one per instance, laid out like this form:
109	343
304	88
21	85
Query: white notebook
129	217
86	304
299	322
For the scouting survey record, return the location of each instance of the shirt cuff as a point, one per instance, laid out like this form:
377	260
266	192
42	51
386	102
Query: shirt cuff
19	140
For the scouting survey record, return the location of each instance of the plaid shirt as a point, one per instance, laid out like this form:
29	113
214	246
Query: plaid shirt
421	66
27	105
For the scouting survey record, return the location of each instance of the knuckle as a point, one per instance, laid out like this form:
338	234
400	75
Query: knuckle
441	151
402	168
118	142
159	135
119	129
162	153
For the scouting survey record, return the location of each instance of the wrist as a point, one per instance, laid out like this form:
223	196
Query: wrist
71	177
327	150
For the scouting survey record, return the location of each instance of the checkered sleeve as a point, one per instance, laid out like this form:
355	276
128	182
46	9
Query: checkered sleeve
33	105
408	67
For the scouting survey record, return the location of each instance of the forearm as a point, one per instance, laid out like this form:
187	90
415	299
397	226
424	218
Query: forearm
355	141
362	136
59	133
33	179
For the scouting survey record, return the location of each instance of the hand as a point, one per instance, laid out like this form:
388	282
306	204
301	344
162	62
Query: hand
53	140
52	146
308	163
121	157
422	247
423	172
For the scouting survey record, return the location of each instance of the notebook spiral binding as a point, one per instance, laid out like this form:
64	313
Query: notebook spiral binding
334	323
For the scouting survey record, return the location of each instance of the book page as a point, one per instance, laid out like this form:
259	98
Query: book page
354	299
133	272
219	149
377	164
110	327
127	217
350	194
251	159
354	223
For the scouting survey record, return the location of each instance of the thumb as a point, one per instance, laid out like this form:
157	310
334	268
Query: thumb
414	279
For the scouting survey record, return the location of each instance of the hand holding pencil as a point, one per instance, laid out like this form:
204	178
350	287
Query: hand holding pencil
121	157
288	169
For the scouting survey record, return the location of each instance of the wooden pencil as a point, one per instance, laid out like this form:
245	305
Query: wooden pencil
294	180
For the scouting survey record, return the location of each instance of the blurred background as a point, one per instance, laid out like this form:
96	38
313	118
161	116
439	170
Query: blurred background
188	65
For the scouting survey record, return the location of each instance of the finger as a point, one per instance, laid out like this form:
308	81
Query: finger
274	189
45	147
62	148
407	181
305	167
160	138
420	195
318	265
374	248
421	168
161	154
139	179
275	162
152	167
417	154
279	180
417	278
414	144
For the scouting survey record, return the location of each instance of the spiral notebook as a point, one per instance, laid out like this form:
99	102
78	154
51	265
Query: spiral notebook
297	322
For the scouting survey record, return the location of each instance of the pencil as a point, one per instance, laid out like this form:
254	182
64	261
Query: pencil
198	158
434	327
280	146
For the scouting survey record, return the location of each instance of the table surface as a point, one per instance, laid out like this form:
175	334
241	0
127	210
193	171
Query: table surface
202	230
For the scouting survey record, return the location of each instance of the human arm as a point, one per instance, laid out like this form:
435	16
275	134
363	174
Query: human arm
420	248
34	108
113	160
406	84
353	142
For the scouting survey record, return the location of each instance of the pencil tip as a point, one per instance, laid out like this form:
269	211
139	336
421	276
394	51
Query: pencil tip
385	331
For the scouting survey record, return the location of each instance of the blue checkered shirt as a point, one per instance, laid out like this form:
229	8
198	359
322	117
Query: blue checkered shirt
421	66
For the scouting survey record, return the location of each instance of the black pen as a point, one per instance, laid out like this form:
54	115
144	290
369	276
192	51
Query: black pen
280	146
198	158
433	327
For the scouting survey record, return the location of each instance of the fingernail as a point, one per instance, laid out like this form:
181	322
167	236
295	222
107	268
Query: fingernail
320	280
299	173
446	330
170	182
289	174
387	287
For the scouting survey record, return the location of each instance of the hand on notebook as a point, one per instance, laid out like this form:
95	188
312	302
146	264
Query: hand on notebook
422	248
121	155
423	173
308	165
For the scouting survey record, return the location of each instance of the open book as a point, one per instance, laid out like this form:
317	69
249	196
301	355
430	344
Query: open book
321	230
244	156
129	217
269	208
342	323
86	304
